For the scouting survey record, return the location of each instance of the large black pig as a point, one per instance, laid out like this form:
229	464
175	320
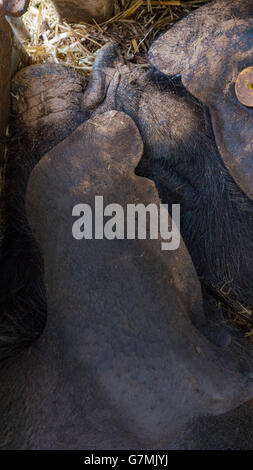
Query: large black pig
120	363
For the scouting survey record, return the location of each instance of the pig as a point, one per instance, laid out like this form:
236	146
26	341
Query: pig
229	118
121	341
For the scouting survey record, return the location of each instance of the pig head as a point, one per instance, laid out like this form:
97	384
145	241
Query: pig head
10	60
210	49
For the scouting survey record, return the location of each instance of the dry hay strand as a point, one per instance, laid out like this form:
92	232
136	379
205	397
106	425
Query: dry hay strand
241	315
134	27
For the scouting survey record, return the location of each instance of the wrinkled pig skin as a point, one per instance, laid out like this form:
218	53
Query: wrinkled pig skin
85	10
109	368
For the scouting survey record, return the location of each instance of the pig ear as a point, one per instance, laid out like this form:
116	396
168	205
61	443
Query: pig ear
170	53
210	49
15	7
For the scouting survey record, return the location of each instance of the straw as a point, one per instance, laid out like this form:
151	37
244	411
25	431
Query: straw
135	25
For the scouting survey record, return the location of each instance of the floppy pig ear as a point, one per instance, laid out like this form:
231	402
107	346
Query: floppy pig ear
15	7
210	48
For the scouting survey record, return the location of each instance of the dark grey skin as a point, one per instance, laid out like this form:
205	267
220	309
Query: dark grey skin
110	372
121	363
